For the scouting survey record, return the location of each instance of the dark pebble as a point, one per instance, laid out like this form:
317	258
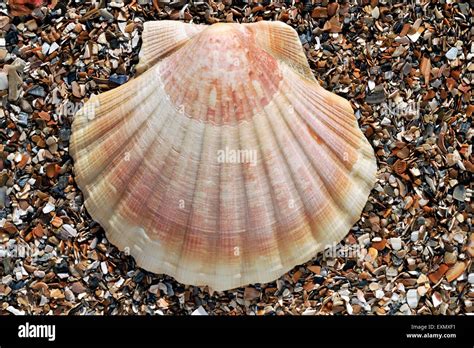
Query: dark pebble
327	47
118	79
93	282
17	285
304	39
397	28
71	77
37	91
375	98
394	308
22	182
138	277
150	298
114	43
23	119
62	182
349	265
57	192
318	279
11	38
396	260
197	301
61	267
64	134
465	126
386	67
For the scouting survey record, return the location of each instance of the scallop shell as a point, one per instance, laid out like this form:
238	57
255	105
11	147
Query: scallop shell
224	162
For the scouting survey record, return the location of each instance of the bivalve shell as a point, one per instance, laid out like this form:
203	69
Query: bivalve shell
224	162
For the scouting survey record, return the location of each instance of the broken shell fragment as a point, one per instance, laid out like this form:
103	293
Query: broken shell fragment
23	7
224	162
400	166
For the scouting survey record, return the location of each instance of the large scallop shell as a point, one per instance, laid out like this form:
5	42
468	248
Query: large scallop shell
224	163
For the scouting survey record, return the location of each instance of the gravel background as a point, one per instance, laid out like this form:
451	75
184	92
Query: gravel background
407	70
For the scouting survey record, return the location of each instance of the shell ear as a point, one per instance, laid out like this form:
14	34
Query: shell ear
161	38
282	42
